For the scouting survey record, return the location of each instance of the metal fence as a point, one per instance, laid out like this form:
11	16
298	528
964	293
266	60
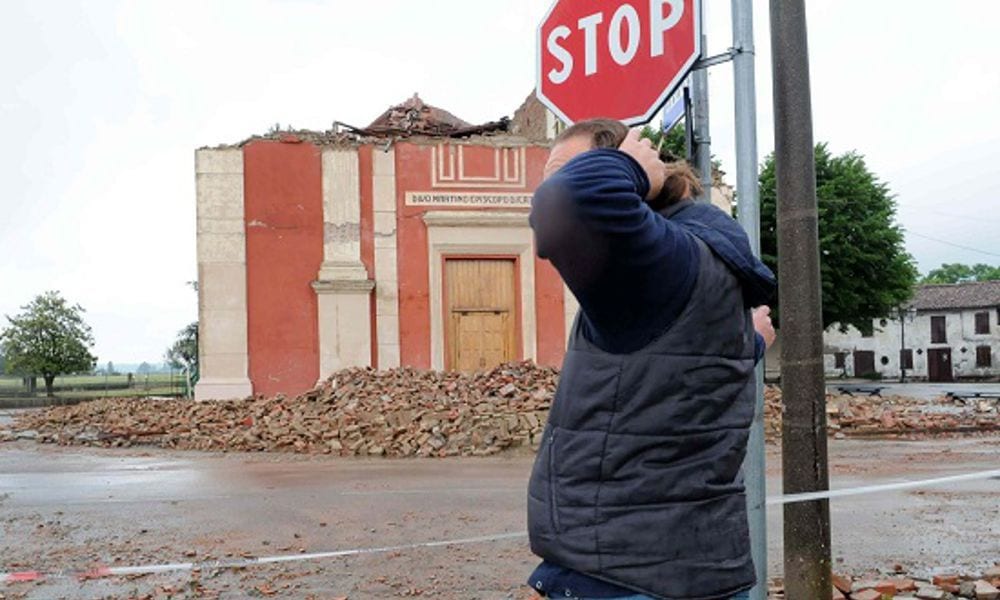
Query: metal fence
91	386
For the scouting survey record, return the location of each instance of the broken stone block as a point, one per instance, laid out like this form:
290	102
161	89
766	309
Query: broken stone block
985	591
967	589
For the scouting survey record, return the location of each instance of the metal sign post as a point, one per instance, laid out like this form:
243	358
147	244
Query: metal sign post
701	132
748	213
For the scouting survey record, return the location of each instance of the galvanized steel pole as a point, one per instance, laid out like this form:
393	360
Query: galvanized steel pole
803	431
748	213
702	136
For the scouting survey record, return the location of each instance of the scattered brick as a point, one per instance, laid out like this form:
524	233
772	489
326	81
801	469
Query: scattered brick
863	416
842	583
409	412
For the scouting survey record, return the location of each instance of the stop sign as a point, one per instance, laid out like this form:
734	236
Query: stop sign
619	59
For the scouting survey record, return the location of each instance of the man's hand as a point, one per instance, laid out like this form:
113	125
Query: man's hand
641	149
762	323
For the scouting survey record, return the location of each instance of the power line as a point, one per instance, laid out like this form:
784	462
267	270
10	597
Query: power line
965	217
947	243
951	215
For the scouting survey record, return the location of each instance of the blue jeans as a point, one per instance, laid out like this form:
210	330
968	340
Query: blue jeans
740	596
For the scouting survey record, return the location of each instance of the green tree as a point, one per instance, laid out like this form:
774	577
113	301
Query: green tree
674	142
672	147
866	271
48	338
183	354
959	273
144	369
110	369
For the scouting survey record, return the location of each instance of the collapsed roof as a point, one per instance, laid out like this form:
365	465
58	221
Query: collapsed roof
416	117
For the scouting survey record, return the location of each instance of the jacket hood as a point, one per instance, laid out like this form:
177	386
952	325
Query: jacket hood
730	243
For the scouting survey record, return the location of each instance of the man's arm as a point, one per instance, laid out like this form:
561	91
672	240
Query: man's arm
631	269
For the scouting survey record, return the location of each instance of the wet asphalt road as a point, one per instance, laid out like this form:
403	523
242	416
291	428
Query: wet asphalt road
74	509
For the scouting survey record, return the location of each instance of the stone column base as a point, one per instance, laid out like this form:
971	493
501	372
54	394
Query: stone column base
344	324
222	389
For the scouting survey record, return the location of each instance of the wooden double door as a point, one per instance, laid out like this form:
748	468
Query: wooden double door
481	317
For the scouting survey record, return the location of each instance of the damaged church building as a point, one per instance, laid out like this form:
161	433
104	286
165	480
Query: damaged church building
403	243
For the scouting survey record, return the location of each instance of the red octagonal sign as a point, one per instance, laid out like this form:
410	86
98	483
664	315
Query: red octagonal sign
619	59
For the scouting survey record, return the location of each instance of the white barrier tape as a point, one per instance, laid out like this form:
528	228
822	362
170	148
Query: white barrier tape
885	487
27	576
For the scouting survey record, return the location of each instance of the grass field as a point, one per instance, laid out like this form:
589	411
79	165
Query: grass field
100	386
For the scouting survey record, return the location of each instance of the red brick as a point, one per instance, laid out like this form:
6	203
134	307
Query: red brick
842	583
837	595
867	595
886	587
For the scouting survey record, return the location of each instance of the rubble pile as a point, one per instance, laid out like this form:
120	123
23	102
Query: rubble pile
860	416
982	586
357	412
409	412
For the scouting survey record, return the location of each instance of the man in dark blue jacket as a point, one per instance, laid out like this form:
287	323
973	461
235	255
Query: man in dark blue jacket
637	490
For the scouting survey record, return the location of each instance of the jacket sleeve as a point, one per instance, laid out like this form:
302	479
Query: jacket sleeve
596	199
601	189
631	269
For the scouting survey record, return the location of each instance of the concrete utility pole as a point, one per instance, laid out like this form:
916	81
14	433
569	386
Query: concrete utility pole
803	431
748	213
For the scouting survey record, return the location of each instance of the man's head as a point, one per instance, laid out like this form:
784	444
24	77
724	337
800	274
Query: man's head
584	136
681	180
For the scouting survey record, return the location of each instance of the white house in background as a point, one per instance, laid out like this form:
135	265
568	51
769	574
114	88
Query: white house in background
947	332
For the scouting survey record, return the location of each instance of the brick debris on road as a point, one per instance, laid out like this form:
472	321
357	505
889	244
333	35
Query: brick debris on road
414	413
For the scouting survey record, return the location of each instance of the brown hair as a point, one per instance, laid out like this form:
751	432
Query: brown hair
602	133
682	183
682	180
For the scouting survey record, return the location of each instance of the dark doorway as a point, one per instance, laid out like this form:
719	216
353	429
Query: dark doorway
864	363
939	365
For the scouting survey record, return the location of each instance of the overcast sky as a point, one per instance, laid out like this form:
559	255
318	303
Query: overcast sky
103	104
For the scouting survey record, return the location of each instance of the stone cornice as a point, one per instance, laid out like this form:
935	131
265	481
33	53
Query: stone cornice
455	218
330	286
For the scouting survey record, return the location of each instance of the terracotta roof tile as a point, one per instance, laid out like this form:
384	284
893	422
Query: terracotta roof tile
983	294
